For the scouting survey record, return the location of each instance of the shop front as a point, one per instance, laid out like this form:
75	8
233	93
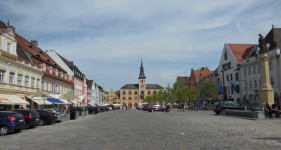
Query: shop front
10	101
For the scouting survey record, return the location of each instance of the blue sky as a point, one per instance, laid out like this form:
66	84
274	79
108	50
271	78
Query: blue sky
106	39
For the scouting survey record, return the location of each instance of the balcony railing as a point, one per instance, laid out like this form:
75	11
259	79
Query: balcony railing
17	87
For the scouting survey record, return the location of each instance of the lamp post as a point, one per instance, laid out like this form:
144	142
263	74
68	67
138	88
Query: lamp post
223	88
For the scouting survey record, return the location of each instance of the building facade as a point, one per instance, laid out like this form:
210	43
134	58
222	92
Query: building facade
133	94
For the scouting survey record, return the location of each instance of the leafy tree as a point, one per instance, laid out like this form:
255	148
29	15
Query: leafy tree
210	89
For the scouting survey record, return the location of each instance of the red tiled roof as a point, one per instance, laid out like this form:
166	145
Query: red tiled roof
239	49
39	57
117	93
204	73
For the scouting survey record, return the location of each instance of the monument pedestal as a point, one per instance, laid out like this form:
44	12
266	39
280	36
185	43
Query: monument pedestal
266	91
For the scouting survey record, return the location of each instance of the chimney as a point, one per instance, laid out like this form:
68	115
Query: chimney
34	42
273	26
71	62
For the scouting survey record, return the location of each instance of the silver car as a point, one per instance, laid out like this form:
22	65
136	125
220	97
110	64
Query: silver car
57	112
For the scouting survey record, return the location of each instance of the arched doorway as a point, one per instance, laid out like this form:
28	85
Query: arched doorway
130	105
136	104
252	100
257	97
124	104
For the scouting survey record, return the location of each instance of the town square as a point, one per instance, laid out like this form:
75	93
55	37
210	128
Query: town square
130	74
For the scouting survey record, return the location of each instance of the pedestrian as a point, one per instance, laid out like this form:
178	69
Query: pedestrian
182	106
126	107
267	109
167	108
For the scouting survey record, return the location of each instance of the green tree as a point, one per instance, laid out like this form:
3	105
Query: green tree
210	89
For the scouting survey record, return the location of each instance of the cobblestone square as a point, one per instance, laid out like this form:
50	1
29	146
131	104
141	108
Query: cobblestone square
135	129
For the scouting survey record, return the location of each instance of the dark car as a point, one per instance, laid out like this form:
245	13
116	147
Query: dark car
92	109
31	117
219	106
46	116
58	112
11	121
146	107
103	108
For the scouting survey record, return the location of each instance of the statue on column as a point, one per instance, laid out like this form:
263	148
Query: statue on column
262	44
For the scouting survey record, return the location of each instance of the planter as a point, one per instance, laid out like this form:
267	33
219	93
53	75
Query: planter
67	117
83	113
77	115
87	113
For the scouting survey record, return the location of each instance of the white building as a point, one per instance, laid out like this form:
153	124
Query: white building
228	72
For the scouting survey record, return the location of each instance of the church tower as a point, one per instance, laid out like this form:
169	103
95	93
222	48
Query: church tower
142	86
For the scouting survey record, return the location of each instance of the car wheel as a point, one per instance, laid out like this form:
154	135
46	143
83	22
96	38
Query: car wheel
58	121
17	131
152	110
217	113
31	126
41	123
25	126
4	130
48	123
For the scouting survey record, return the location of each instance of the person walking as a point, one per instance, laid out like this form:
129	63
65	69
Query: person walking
167	108
182	106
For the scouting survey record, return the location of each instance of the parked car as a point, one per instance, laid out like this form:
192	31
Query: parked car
153	108
112	106
11	121
103	108
219	106
57	112
162	108
146	106
92	109
47	117
31	117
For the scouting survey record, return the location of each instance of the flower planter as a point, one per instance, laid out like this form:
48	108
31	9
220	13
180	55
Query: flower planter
83	113
67	117
77	115
87	113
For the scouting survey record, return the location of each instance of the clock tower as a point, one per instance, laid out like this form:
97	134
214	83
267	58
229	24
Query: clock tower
142	84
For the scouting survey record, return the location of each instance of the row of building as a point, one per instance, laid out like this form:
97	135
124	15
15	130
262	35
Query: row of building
238	74
25	69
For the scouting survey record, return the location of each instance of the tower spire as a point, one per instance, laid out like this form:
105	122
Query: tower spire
142	76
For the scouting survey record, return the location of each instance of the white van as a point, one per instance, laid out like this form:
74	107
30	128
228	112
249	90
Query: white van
140	105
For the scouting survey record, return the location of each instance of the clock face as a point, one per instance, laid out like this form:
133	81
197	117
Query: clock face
141	85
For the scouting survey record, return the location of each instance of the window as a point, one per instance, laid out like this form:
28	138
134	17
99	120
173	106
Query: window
235	104
8	47
231	90
245	72
12	78
270	65
47	86
38	83
58	88
136	98
148	92
26	81
230	76
255	83
250	84
237	88
43	83
218	80
130	93
227	66
227	78
129	97
32	82
53	87
225	55
249	71
2	75
142	92
124	93
259	68
260	81
236	76
254	69
272	81
136	93
123	98
228	90
246	85
19	79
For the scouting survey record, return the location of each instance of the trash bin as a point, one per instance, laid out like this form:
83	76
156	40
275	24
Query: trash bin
73	115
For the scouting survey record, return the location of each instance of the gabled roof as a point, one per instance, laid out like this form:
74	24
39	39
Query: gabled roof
185	80
204	73
153	86
69	64
239	49
274	38
117	94
89	83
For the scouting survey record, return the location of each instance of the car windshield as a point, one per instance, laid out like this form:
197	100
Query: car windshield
17	115
34	112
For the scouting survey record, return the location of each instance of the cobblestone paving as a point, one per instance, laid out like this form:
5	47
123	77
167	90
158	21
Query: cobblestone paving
135	129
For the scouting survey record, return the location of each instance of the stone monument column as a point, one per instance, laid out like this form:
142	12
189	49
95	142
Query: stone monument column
266	91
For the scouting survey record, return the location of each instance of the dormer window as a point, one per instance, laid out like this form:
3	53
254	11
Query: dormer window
61	74
44	67
51	70
57	72
65	77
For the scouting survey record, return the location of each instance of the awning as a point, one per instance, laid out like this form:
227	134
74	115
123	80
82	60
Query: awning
57	101
65	101
73	101
39	100
11	99
91	104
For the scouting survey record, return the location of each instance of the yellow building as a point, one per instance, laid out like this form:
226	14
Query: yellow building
135	93
18	77
113	98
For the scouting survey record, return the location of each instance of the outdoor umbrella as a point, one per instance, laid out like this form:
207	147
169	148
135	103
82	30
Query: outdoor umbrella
41	94
69	95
